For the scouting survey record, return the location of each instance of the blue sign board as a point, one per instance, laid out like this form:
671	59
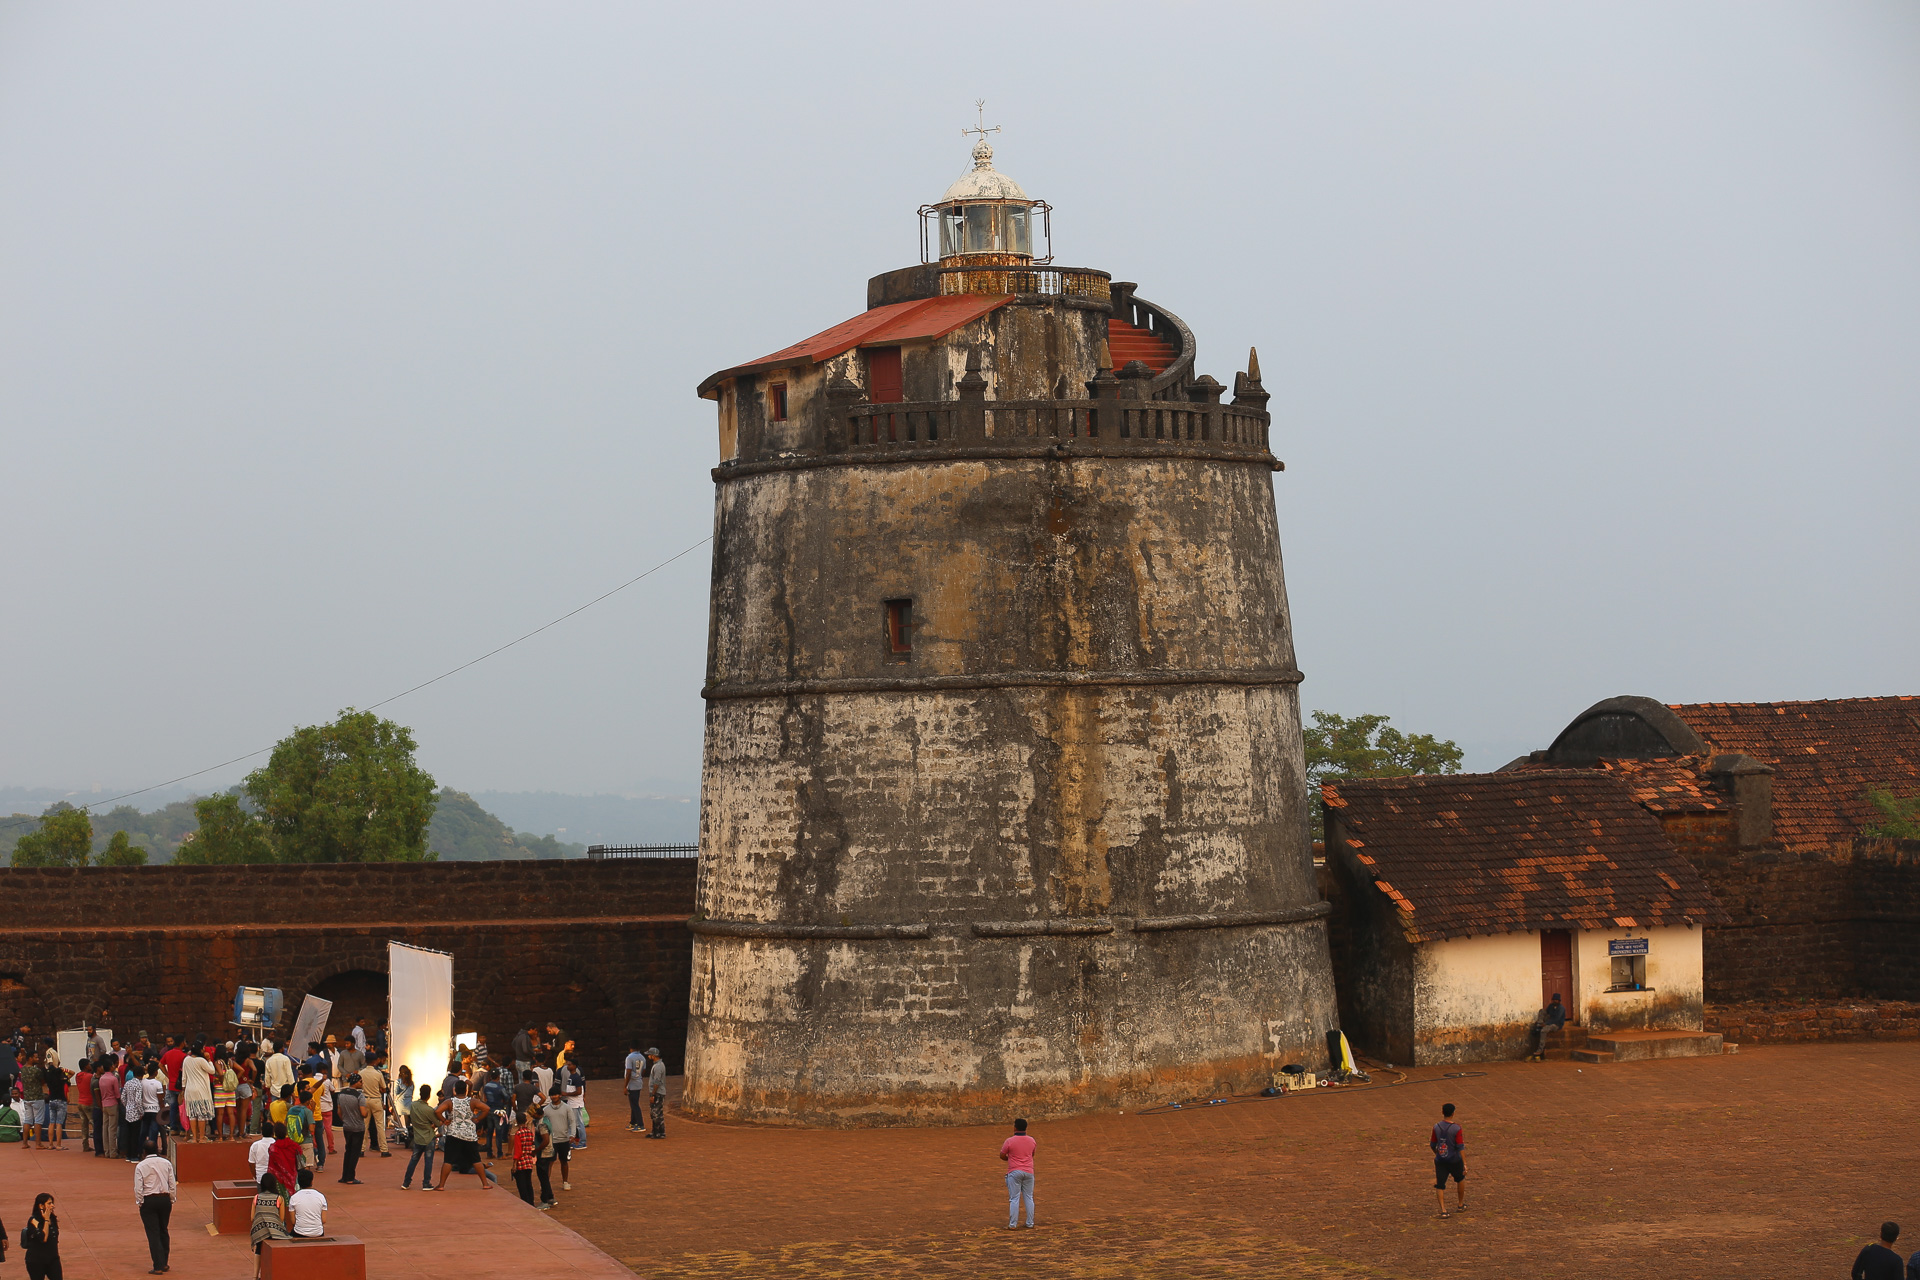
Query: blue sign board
1627	947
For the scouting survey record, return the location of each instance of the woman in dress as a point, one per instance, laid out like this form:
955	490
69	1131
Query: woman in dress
40	1239
196	1089
226	1085
403	1088
269	1218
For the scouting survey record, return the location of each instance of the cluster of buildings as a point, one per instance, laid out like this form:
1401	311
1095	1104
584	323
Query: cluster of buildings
1651	859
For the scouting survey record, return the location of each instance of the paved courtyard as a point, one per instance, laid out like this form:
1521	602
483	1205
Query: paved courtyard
1773	1162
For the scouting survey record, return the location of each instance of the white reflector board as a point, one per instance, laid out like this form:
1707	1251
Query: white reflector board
419	1009
310	1026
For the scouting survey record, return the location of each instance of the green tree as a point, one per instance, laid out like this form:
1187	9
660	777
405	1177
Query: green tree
1368	747
227	834
345	792
121	852
1902	817
63	839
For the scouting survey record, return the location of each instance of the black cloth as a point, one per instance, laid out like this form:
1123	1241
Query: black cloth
633	1108
522	1047
544	1166
1455	1168
155	1213
355	1139
523	1179
523	1096
1877	1262
44	1268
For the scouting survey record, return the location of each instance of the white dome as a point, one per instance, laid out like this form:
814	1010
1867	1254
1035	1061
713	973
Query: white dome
983	181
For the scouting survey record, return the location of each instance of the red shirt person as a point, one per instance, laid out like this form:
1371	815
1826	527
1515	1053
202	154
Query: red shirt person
1017	1151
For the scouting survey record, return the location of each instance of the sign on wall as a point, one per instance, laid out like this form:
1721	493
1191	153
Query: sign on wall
1627	947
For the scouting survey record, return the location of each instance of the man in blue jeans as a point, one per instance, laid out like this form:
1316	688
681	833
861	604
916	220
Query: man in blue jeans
1017	1151
423	1127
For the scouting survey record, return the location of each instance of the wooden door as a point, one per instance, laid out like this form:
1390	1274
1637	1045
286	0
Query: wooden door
1556	968
884	384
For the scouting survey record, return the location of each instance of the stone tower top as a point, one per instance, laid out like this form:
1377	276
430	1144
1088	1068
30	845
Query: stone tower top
985	217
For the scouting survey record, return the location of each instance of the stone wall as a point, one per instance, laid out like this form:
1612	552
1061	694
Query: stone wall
602	948
1807	925
1761	1022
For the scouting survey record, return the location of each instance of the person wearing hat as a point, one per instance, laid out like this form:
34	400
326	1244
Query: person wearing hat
657	1093
350	1111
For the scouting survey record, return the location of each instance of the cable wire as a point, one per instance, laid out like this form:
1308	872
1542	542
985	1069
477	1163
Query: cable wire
128	795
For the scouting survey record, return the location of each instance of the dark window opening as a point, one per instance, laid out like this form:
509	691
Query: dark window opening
1629	973
899	629
777	402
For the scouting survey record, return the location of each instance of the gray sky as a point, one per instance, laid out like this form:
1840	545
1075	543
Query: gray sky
341	343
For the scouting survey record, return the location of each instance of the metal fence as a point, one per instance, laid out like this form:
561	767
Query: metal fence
598	851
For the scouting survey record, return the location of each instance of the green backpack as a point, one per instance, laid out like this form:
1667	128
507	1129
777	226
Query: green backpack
9	1125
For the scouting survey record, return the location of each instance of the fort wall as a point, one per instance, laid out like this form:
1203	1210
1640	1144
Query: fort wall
601	948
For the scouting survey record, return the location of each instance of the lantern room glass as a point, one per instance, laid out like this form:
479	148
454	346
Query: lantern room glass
986	228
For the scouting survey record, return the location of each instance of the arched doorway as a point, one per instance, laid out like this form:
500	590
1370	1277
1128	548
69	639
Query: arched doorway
356	993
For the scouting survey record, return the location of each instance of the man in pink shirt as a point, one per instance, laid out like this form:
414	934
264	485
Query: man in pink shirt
1017	1151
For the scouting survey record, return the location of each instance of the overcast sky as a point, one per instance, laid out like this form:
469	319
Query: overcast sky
342	343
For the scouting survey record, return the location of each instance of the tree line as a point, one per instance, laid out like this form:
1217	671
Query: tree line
348	791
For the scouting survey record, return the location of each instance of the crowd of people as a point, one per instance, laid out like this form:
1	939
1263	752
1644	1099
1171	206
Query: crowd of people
130	1099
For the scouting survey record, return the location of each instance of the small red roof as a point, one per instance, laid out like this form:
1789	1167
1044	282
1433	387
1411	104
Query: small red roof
918	320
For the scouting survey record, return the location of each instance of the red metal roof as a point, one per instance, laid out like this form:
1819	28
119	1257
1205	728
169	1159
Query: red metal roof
918	320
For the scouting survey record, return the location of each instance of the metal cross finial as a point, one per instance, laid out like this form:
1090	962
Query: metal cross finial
980	105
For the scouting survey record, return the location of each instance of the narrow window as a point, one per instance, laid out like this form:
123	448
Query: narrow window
777	402
899	629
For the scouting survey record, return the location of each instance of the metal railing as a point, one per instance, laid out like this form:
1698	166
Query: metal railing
1067	282
1113	423
597	852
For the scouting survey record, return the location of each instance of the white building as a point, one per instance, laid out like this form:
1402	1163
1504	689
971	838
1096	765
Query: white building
1463	903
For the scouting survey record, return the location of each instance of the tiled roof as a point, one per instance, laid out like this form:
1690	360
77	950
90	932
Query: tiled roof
1679	785
1825	755
918	319
1507	852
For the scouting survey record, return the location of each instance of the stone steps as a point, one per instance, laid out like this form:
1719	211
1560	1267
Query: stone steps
1642	1046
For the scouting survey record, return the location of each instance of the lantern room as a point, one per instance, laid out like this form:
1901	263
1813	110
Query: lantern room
985	219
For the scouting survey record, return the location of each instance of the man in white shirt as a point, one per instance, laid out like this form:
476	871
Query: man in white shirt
308	1205
279	1073
257	1156
360	1036
544	1074
154	1191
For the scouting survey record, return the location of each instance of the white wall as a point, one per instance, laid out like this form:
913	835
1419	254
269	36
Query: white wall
1675	980
1475	998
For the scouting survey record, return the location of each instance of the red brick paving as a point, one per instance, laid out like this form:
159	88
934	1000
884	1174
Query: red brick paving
1773	1162
409	1235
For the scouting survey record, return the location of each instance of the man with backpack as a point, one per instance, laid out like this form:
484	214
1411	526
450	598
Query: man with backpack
1448	1141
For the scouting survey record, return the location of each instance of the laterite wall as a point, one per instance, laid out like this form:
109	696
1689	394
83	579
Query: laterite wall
602	948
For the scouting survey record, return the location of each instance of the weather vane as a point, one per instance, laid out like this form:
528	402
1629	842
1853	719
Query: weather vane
980	105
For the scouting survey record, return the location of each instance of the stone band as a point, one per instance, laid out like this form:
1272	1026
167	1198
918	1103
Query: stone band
998	680
1064	926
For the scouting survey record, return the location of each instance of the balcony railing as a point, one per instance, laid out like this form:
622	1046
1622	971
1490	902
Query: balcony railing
1112	424
1067	282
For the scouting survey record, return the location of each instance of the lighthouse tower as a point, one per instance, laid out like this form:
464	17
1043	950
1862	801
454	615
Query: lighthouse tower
1003	807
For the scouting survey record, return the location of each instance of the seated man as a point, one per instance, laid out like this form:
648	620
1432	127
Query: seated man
1551	1019
309	1209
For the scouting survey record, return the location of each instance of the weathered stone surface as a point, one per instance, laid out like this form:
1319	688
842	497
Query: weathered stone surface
1055	856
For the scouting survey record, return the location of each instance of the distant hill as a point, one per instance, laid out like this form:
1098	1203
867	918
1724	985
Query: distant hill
462	831
601	819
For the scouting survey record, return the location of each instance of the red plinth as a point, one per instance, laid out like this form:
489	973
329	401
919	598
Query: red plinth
212	1162
233	1207
328	1258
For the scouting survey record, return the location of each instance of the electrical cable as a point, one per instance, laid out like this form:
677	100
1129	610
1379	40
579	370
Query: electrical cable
1234	1099
128	795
